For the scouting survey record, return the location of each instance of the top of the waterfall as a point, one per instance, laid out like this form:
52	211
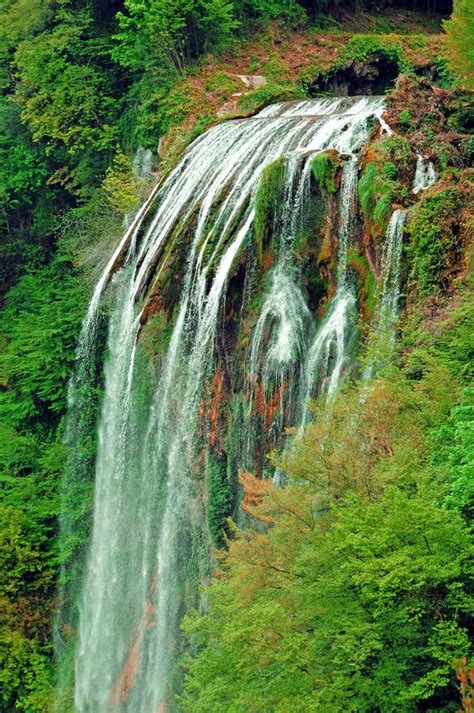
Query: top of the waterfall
341	123
324	107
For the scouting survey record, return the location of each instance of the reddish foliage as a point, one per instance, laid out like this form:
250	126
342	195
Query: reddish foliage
267	260
465	676
255	489
265	406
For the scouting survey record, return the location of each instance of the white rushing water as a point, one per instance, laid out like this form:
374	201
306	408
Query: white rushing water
425	174
384	336
149	542
327	354
391	259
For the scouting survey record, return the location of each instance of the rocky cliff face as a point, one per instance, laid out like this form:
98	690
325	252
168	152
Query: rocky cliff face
268	267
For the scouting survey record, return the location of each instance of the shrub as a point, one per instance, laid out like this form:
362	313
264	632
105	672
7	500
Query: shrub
405	120
360	47
121	185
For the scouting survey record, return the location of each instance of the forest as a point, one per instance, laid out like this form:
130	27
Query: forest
346	583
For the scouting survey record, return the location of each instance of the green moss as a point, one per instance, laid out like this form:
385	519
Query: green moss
379	183
267	197
325	167
361	47
275	70
447	154
383	208
271	92
221	84
395	148
308	236
406	122
435	243
156	334
376	194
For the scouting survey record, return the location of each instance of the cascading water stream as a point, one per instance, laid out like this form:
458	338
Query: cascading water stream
327	353
391	259
382	344
279	339
384	338
150	540
425	174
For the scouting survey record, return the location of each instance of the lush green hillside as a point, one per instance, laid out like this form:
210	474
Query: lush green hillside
352	591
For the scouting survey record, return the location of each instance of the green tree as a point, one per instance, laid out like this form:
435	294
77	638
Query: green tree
64	96
460	30
166	35
353	594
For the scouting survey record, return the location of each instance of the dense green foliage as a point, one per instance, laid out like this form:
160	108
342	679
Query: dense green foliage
435	244
219	500
376	193
379	182
83	84
357	597
40	326
460	30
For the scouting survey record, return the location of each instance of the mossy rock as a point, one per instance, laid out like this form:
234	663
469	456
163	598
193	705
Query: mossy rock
436	228
156	334
367	64
308	238
252	102
377	192
267	199
386	181
325	167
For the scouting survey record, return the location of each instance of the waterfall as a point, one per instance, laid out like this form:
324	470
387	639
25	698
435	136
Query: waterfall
279	338
150	541
391	258
387	313
425	174
327	353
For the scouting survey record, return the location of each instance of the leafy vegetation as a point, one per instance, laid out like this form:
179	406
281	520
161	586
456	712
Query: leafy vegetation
356	593
377	191
341	601
388	163
219	500
436	240
39	329
362	46
460	29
